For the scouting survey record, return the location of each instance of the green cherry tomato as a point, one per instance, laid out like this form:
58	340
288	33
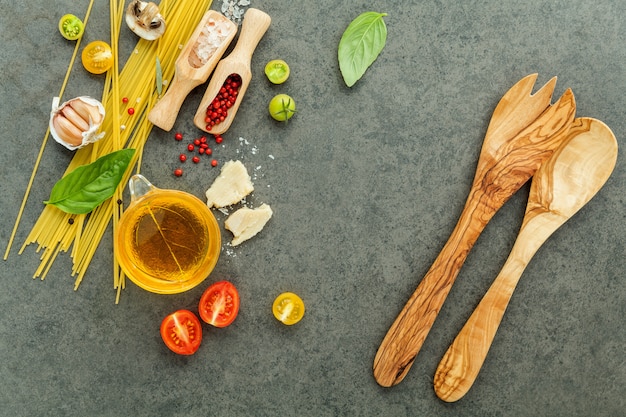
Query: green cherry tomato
71	27
282	107
277	71
288	308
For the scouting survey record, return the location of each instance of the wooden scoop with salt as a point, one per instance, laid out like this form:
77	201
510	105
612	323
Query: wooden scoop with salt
195	63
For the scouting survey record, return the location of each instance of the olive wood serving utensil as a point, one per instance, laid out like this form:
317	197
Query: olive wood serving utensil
561	187
190	72
255	24
523	133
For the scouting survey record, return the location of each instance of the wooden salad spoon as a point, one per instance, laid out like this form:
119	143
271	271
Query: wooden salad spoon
255	24
523	133
561	187
192	69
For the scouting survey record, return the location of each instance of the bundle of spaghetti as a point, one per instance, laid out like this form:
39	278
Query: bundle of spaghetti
55	231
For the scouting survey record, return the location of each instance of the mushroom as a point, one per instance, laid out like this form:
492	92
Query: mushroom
144	19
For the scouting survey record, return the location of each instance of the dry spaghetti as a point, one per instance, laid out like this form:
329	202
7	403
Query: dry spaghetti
56	231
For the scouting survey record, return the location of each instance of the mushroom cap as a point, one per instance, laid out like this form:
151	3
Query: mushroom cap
145	20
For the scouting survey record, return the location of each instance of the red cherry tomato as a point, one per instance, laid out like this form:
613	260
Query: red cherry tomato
182	332
219	304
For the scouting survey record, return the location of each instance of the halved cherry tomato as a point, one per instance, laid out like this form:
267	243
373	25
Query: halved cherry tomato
277	71
71	27
288	308
97	57
219	304
182	332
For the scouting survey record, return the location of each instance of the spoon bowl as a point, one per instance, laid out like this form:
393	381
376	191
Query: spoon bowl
561	187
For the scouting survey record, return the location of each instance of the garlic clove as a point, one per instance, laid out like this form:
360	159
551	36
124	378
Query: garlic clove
75	123
89	112
75	118
66	130
145	20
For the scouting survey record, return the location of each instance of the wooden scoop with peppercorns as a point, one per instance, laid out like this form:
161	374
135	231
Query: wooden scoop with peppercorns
195	63
231	77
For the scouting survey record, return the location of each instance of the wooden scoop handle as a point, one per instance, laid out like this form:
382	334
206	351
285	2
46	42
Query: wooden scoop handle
255	24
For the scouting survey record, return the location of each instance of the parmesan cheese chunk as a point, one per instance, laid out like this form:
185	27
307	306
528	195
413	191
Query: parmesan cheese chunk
246	222
230	187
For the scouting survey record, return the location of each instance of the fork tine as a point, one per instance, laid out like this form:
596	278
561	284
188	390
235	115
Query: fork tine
518	107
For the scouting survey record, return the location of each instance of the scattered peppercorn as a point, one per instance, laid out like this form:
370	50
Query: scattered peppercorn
178	172
178	136
125	100
195	159
131	111
191	147
182	157
218	138
214	163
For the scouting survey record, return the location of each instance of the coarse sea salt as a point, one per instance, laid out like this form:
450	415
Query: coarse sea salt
211	37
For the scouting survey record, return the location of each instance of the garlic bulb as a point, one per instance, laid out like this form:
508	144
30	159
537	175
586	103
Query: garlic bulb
75	123
145	20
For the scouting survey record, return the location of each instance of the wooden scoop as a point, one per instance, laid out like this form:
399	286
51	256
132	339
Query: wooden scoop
563	185
523	133
192	67
255	24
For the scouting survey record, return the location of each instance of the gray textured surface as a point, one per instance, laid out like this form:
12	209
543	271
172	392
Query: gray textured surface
366	184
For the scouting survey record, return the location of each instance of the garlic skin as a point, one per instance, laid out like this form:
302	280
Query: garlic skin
75	123
145	20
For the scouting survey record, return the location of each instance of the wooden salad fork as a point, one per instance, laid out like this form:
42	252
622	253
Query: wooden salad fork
561	187
523	133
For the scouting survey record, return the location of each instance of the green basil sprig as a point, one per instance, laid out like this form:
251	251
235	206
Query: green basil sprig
86	187
360	45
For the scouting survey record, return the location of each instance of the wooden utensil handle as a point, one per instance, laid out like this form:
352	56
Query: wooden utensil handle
408	332
255	24
165	111
461	364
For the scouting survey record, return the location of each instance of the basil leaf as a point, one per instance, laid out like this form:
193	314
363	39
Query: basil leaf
360	45
86	187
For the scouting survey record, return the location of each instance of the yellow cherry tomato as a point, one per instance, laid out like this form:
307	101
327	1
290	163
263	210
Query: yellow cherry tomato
71	27
288	308
277	71
97	57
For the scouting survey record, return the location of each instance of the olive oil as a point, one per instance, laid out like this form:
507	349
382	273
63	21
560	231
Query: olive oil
167	241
